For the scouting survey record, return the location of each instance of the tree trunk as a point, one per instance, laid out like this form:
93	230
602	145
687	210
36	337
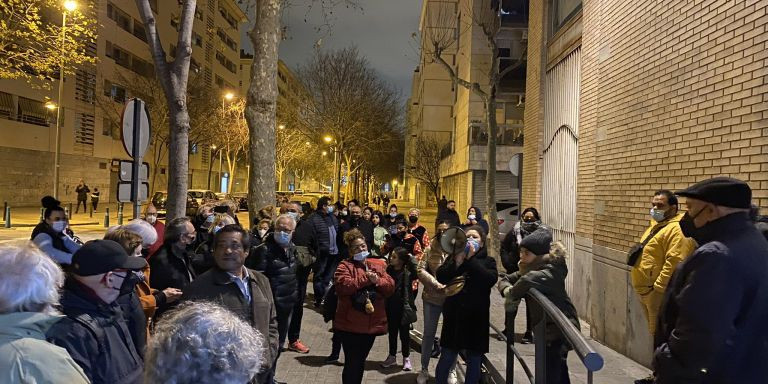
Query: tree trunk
337	171
173	76
262	104
490	179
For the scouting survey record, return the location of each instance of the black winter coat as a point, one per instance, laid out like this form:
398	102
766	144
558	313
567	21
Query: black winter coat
510	252
320	223
105	353
217	286
279	266
135	319
715	310
452	217
549	279
364	226
172	270
466	315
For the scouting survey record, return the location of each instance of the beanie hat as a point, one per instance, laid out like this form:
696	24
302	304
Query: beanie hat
538	242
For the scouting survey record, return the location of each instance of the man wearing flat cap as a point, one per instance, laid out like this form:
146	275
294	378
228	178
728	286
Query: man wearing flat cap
94	331
712	321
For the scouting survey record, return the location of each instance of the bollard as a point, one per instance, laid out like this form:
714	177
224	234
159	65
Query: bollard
106	218
120	214
7	216
42	214
67	210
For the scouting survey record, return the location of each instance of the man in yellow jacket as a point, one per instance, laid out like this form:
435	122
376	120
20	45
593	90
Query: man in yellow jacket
660	257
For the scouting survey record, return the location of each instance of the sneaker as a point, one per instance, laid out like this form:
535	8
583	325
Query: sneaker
332	359
527	338
648	380
423	377
407	364
390	361
452	379
298	346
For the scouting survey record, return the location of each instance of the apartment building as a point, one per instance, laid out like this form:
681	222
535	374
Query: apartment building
626	98
90	141
454	116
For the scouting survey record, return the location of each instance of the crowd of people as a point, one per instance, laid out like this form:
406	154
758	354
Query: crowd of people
205	299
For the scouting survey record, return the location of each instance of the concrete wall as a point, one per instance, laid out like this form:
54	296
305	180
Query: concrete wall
671	93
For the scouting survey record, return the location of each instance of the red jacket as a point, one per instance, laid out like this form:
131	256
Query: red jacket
349	278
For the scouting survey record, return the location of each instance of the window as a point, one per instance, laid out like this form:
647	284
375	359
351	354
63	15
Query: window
122	19
85	86
106	127
114	91
562	11
32	112
139	31
6	105
197	39
226	39
228	18
226	63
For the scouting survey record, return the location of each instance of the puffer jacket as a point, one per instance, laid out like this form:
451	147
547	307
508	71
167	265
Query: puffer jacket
427	269
661	255
320	223
350	277
548	277
25	356
279	266
104	350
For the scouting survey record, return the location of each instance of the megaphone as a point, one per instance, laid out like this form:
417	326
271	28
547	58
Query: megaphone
453	241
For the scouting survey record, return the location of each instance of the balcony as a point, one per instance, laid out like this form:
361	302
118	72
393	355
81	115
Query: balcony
507	135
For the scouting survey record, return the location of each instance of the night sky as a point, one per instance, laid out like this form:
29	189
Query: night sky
381	31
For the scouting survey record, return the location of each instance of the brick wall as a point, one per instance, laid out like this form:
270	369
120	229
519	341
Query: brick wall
534	99
676	94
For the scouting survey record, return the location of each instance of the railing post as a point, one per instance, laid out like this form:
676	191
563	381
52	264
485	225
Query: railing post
106	217
7	216
509	326
540	340
120	214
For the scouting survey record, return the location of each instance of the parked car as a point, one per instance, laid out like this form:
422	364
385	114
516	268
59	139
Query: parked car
203	196
160	197
507	216
242	200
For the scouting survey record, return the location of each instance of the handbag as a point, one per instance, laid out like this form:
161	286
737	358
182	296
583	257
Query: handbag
306	258
634	253
409	313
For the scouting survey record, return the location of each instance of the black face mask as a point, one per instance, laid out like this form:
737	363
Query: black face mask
145	252
689	229
413	219
129	283
530	226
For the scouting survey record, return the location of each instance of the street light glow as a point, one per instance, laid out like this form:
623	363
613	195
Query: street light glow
70	5
328	139
229	96
394	182
50	105
325	153
281	126
213	146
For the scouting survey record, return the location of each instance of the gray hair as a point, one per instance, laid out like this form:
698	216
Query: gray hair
286	216
29	280
174	229
140	227
219	218
201	342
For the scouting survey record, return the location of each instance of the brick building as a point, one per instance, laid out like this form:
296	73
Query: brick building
624	98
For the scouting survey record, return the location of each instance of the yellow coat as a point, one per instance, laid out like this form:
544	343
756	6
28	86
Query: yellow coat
661	256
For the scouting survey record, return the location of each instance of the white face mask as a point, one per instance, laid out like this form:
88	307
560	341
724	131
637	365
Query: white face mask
151	219
58	226
262	232
361	256
217	228
471	217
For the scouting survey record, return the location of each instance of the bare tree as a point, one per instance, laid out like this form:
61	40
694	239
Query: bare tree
173	76
425	166
440	41
230	135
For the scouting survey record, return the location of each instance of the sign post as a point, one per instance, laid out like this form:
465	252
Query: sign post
136	134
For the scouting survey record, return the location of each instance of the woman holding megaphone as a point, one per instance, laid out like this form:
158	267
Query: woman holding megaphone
469	274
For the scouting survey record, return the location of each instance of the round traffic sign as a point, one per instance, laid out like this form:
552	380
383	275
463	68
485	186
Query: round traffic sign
130	116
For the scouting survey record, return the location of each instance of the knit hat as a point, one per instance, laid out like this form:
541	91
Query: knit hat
538	242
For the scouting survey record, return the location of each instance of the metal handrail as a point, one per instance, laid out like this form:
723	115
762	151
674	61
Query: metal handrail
591	360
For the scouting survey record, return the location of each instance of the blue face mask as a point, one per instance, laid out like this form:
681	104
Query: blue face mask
294	215
329	209
361	256
209	219
282	238
473	243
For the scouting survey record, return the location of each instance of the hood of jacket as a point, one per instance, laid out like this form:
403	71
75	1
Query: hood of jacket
478	213
26	324
554	261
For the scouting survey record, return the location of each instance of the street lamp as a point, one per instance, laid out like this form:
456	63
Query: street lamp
325	153
69	6
229	96
281	126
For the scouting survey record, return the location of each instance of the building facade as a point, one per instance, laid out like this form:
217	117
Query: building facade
90	140
627	98
444	111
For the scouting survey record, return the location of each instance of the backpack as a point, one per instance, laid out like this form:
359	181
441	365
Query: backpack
93	326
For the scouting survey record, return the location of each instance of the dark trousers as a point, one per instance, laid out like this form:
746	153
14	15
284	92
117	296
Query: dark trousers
335	344
95	204
294	330
356	348
395	327
528	321
85	206
324	268
557	363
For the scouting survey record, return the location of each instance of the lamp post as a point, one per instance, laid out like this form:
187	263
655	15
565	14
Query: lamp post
336	168
69	6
